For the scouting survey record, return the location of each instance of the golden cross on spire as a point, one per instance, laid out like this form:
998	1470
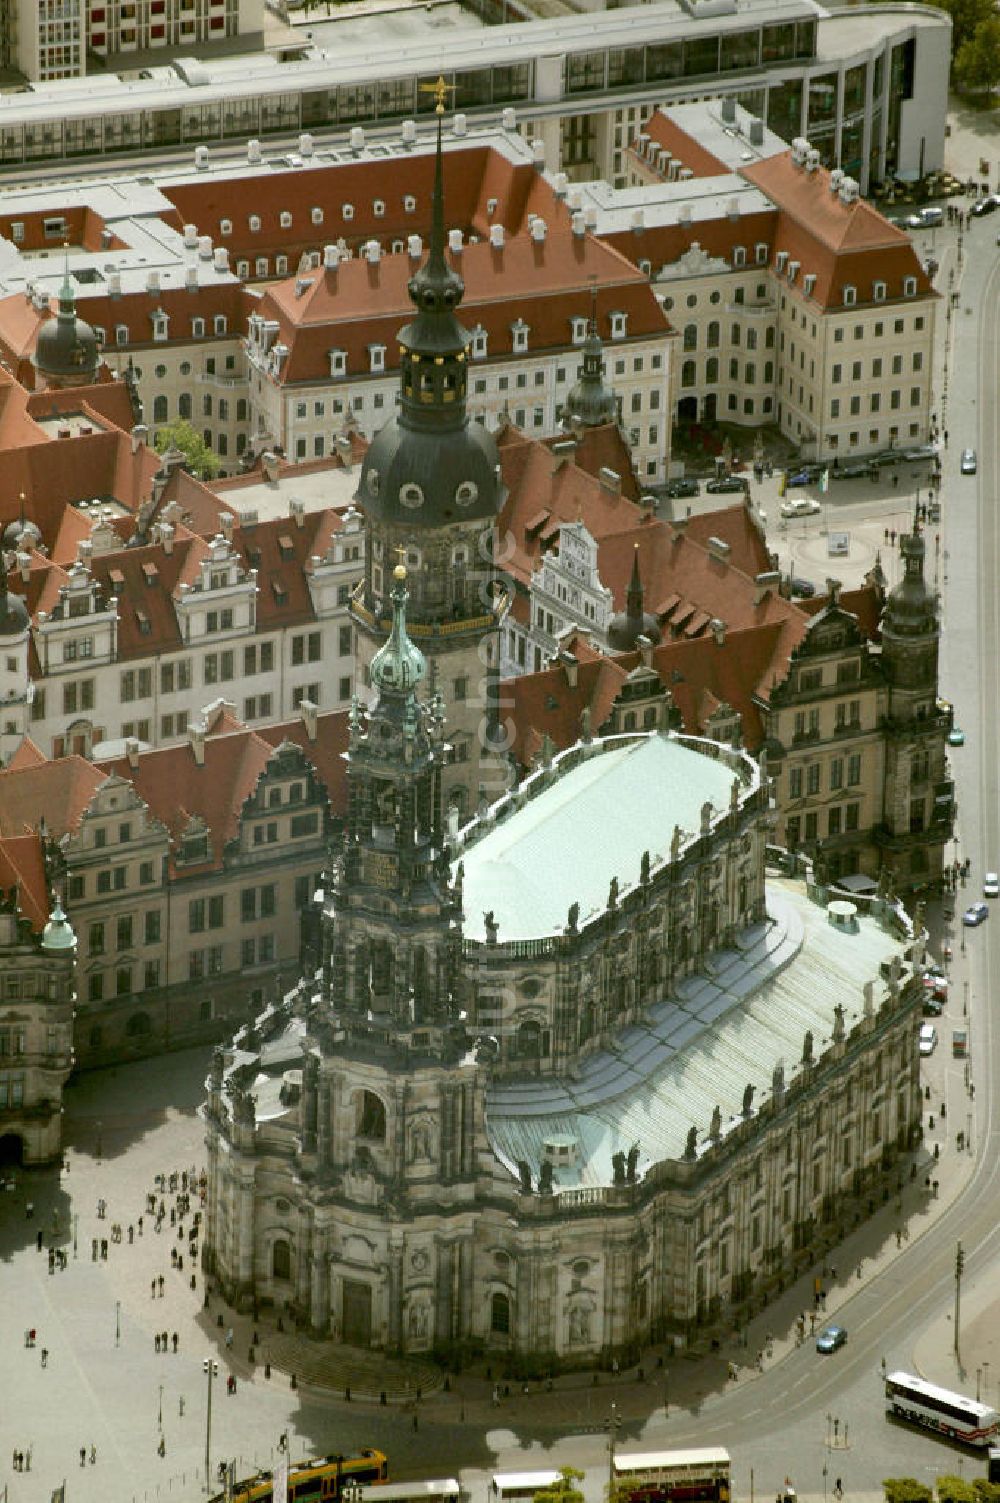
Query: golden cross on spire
440	92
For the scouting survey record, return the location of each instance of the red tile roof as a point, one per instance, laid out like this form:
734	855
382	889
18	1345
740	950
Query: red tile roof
687	150
546	283
599	448
326	753
22	865
57	792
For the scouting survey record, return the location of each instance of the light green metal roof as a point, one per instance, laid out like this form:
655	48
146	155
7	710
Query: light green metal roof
727	1027
593	823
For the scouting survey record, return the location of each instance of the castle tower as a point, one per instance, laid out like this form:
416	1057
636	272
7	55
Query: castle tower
430	492
918	808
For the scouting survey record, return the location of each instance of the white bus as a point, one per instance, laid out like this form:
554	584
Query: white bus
662	1475
519	1484
938	1409
424	1490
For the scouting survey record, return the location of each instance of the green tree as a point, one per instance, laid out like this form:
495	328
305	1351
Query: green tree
966	15
905	1490
977	61
204	462
564	1490
951	1489
986	1492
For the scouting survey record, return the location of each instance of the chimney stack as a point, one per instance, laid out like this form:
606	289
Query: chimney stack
196	736
132	752
310	717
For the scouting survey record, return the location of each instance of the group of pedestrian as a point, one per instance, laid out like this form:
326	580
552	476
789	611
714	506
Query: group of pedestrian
57	1259
161	1343
22	1460
93	1455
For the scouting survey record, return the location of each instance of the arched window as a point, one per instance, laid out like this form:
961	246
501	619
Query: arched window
281	1259
159	409
371	1117
500	1315
690	336
713	335
184	405
688	373
711	370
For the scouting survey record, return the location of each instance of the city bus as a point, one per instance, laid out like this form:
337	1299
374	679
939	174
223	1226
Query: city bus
313	1481
424	1490
521	1484
658	1476
938	1409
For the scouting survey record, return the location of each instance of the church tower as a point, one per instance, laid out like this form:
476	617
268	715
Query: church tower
430	492
918	810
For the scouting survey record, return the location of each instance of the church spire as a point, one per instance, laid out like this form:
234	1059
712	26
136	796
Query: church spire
398	667
634	598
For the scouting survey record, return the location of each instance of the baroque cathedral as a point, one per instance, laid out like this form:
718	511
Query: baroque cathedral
575	1074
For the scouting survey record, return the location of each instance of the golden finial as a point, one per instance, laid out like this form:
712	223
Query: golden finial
400	570
440	92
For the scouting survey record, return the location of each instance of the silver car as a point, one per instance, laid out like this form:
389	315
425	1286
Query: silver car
968	462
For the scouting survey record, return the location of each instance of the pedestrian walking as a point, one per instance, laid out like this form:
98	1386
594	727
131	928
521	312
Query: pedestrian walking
38	1241
139	1224
152	1288
161	1449
164	1341
93	1455
180	1406
131	1234
160	1282
83	1455
45	1356
104	1249
175	1339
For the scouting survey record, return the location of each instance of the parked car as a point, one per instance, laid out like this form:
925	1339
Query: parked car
968	462
928	1039
886	457
723	484
985	205
975	914
937	985
800	506
683	486
801	477
830	1339
991	885
921	451
926	218
801	587
850	472
956	737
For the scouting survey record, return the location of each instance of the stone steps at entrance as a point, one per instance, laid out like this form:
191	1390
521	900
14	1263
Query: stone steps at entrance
329	1364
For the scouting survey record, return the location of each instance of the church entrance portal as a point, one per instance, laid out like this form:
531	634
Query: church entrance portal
357	1322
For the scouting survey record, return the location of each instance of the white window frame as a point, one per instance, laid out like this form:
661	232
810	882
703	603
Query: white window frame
760	253
376	356
219	323
579	328
338	362
285	219
121	334
254	223
909	286
878	292
197	328
347	211
281	266
850	296
519	332
316	214
619	325
739	255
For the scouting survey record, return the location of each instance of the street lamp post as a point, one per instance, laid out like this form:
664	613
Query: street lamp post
76	1222
118	1323
211	1370
613	1424
159	1412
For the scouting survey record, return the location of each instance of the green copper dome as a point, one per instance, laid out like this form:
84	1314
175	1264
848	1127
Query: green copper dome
398	667
58	936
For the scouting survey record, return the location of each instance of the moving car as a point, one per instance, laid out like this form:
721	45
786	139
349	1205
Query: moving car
968	462
830	1339
683	486
925	219
956	737
921	451
725	483
985	205
991	885
800	506
975	914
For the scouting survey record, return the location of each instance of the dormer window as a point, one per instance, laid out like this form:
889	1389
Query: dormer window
760	253
579	329
285	219
909	286
260	266
281	266
793	270
740	255
197	328
376	354
619	323
347	210
219	323
243	269
409	203
121	333
338	362
225	226
878	292
519	337
254	222
850	296
781	260
160	322
316	215
809	282
378	208
479	338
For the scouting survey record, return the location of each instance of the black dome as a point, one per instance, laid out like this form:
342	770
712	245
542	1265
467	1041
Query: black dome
14	618
66	347
410	477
